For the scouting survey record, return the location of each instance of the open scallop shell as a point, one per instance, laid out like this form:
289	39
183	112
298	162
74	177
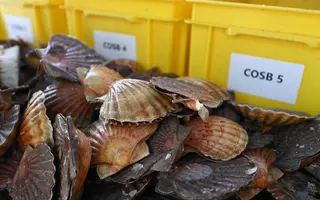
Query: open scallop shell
220	138
97	81
123	66
36	126
113	146
262	158
73	150
270	117
296	143
68	99
34	179
131	100
65	54
248	193
206	180
165	145
196	94
8	127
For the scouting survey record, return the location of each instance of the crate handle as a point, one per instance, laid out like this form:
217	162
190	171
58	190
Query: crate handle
128	18
310	41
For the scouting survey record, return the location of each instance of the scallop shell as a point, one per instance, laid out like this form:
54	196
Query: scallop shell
65	54
123	66
206	180
220	138
8	127
296	144
74	152
97	81
262	158
134	101
34	179
68	99
36	126
165	144
270	117
248	193
113	146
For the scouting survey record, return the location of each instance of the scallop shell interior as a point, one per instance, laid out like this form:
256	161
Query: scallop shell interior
219	138
131	100
36	126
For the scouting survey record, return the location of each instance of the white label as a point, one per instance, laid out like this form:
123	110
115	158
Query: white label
273	79
10	67
19	27
115	45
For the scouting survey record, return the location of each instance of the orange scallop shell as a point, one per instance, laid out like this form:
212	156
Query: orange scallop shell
219	138
131	100
36	126
270	117
117	146
97	81
68	99
8	127
262	158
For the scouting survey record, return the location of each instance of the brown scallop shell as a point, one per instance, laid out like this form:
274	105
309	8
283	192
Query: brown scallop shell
36	126
123	66
206	180
68	99
113	146
262	158
248	193
34	179
219	138
65	54
73	150
131	100
8	127
270	117
97	81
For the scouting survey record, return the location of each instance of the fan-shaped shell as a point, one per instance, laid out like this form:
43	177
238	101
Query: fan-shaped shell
8	127
131	100
123	66
36	126
73	150
113	146
262	158
97	81
65	54
68	99
270	117
206	180
34	179
296	143
220	138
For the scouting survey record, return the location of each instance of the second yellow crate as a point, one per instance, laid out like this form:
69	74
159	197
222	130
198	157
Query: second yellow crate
152	32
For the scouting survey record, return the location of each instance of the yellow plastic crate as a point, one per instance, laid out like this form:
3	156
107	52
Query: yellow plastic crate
32	20
151	32
266	50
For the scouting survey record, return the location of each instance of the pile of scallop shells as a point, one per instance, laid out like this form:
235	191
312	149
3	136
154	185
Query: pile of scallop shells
76	126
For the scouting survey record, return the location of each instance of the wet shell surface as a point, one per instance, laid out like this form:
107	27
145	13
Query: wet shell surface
97	81
114	146
262	158
73	150
296	144
131	100
124	67
165	145
8	127
68	99
206	180
219	138
270	117
34	179
36	126
65	54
